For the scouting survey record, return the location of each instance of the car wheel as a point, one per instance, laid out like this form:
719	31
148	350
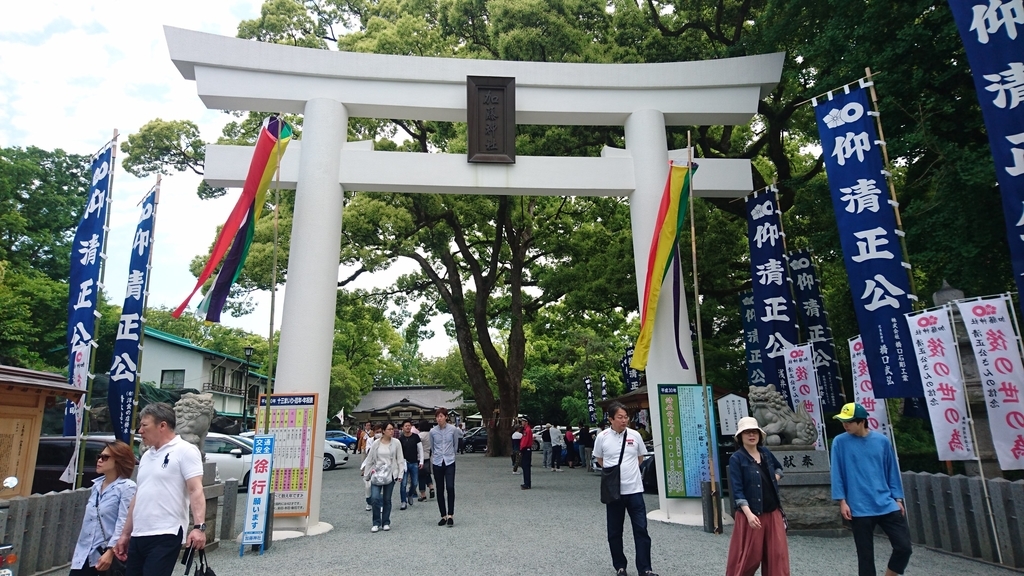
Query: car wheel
470	448
328	462
244	487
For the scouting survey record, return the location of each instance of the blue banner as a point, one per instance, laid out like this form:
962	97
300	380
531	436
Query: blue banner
751	343
83	284
993	36
774	310
815	329
590	399
631	376
866	218
124	367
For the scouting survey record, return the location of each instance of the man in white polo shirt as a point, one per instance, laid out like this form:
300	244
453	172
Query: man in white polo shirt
170	478
609	444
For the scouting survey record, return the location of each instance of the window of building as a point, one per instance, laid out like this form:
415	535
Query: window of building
218	377
236	382
172	379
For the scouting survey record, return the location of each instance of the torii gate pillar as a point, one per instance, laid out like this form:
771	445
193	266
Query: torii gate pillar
307	322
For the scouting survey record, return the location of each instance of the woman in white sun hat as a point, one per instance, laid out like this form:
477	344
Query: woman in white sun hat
759	534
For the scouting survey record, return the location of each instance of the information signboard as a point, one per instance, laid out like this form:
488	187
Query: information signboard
256	505
292	423
684	433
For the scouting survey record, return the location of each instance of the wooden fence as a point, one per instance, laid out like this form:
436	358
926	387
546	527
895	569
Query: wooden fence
950	513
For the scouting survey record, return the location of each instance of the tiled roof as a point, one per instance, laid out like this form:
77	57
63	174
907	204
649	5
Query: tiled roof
423	396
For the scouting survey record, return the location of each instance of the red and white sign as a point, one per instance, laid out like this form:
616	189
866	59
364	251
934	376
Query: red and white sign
997	351
863	390
803	386
943	382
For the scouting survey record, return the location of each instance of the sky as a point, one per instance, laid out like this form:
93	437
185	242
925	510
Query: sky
72	71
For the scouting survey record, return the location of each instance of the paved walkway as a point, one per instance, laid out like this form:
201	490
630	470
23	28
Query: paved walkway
556	528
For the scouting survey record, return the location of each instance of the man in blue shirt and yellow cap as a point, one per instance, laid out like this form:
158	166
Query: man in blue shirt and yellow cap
866	481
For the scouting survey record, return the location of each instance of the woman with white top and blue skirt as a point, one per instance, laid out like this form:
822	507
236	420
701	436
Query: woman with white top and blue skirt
444	441
106	511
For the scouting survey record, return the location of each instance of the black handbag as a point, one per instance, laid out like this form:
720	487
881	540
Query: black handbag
202	568
611	478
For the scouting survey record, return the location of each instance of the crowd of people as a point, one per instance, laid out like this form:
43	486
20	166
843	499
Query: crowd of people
387	461
138	527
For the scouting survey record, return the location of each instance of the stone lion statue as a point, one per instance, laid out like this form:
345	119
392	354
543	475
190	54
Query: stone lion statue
194	413
780	423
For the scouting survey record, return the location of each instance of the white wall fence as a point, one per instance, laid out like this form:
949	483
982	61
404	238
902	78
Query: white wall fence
43	528
949	513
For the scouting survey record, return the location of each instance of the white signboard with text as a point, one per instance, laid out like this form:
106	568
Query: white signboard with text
863	390
943	382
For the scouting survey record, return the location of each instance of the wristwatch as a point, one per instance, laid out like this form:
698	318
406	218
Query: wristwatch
200	527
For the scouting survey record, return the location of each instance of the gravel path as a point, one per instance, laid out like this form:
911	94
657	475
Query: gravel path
555	528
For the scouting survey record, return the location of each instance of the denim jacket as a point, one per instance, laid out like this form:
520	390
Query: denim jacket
745	478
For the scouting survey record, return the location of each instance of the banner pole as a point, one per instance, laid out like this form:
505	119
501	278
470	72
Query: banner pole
716	520
145	305
86	403
273	282
974	436
892	187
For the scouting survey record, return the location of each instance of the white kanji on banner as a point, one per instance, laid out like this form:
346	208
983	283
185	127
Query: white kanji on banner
942	379
997	351
803	386
863	390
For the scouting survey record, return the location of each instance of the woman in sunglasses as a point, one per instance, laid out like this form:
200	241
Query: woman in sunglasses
106	512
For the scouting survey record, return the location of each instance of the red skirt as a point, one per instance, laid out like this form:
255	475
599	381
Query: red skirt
753	547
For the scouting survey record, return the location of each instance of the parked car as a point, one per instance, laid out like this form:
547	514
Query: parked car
232	455
54	455
341	437
335	453
477	441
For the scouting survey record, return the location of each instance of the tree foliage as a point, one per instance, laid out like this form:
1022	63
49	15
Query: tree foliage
523	281
42	194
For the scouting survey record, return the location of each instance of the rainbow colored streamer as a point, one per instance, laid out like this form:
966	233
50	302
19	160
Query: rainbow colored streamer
237	232
663	251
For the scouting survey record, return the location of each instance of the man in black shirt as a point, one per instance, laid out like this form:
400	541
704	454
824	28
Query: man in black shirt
412	451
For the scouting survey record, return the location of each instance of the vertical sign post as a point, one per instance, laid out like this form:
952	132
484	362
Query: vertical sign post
257	503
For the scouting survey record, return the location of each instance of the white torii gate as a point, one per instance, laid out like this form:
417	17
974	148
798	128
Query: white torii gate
329	87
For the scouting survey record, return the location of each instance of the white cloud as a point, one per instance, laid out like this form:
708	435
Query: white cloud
72	71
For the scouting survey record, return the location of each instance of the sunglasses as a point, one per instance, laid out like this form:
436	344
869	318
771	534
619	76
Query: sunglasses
103	457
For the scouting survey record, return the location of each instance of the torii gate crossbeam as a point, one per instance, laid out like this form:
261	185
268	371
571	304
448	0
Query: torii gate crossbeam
329	87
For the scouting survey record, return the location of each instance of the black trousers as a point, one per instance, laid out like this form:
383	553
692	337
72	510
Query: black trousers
444	476
895	526
525	464
153	555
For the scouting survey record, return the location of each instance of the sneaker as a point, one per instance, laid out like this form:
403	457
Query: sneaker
559	470
650	573
516	472
388	527
375	528
524	487
368	508
402	507
431	493
621	572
